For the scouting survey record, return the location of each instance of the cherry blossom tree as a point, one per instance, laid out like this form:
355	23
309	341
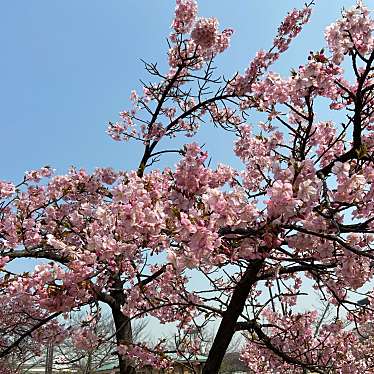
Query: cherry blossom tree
296	219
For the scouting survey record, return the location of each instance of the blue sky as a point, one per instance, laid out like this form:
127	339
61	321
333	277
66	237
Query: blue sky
67	67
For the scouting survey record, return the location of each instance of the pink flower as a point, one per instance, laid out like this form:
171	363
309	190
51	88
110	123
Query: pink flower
205	32
353	30
6	189
3	261
185	14
36	175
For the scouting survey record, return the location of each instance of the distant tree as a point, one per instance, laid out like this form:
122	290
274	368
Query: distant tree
86	356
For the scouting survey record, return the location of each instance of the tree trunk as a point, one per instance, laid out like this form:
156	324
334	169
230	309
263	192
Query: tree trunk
123	336
88	368
230	317
122	324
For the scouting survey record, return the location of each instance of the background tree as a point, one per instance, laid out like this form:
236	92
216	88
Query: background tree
299	212
87	358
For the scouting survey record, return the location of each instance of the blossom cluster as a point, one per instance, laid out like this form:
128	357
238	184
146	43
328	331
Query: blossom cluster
353	30
287	31
331	347
206	40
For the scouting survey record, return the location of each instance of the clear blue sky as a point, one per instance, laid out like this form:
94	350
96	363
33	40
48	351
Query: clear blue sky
67	67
